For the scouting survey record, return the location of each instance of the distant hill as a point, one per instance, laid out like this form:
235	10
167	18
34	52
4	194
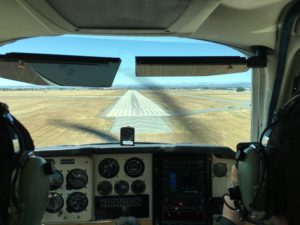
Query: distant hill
245	85
187	86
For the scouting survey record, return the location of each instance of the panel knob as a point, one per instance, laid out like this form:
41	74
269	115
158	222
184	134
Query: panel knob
220	169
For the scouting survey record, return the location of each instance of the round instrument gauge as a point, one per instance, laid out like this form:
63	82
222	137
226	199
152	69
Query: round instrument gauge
138	186
56	180
104	187
121	187
55	202
220	170
77	202
108	168
134	167
76	179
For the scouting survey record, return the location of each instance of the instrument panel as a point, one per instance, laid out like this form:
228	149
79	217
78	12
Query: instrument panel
70	193
123	185
184	186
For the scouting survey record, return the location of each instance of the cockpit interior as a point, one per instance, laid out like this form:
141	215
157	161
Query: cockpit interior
142	171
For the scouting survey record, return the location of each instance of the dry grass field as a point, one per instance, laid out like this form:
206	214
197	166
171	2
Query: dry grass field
218	128
71	117
181	100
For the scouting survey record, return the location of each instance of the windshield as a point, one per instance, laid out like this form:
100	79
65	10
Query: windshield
204	110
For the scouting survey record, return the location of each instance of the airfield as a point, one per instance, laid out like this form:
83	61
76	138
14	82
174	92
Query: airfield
72	117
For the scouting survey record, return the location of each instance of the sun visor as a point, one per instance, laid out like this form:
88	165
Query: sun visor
189	66
165	66
20	72
43	69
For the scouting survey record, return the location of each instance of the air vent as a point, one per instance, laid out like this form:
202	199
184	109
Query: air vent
120	14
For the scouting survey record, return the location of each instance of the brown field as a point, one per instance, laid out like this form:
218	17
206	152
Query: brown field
180	100
71	117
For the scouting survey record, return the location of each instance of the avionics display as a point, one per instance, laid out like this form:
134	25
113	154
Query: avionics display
183	181
185	190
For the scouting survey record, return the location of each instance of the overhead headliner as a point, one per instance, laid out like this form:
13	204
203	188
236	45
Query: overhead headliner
238	23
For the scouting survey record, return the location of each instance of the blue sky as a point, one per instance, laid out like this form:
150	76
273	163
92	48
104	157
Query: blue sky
127	48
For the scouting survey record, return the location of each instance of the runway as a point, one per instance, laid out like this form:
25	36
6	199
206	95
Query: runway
142	125
133	104
136	110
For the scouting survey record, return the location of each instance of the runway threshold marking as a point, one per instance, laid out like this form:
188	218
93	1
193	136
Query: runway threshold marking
136	110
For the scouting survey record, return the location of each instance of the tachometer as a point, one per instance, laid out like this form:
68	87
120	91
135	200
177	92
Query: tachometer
134	167
77	202
56	180
55	202
108	168
76	179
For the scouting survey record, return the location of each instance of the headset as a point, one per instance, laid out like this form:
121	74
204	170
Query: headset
250	195
24	180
